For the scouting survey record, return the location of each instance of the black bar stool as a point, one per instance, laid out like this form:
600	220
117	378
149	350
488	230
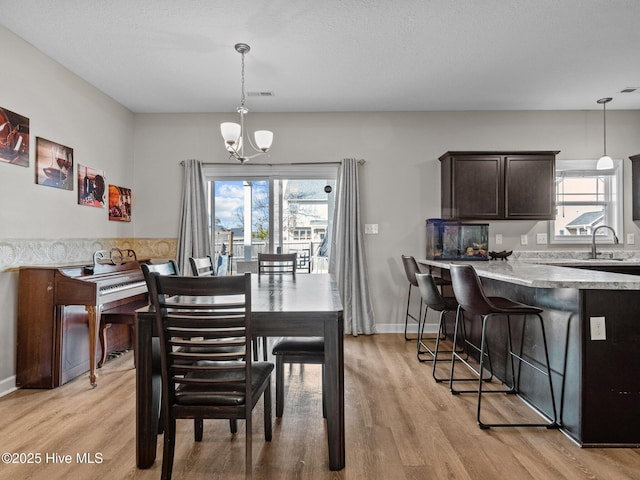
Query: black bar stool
473	301
410	269
433	300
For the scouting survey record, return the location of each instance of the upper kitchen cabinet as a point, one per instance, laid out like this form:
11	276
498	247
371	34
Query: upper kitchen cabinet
498	185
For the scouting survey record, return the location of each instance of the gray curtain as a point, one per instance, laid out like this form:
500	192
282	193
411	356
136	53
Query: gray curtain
347	259
193	234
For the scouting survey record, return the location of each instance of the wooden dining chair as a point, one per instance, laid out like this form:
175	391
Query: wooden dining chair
270	263
202	266
290	350
171	268
277	263
201	322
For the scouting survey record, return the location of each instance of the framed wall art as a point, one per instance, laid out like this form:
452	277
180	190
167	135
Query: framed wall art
14	138
119	203
91	187
54	164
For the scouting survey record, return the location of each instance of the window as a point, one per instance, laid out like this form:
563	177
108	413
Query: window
586	198
281	209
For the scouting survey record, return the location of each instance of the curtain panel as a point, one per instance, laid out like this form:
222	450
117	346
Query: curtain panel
193	233
348	259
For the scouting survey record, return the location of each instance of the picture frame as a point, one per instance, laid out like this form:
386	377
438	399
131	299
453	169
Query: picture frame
91	187
14	138
120	200
54	164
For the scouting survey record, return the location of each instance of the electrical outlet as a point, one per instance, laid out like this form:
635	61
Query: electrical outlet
524	240
498	239
541	238
598	328
631	239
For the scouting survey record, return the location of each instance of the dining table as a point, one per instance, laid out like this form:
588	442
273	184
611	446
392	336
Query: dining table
301	305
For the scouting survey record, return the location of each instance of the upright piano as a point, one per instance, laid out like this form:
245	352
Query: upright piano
59	313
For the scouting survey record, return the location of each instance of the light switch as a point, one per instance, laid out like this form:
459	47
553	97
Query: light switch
498	239
598	328
371	228
524	240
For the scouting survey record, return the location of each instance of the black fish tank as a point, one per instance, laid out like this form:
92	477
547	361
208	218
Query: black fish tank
457	240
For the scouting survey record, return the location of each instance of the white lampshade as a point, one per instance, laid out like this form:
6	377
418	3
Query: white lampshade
231	133
604	163
264	139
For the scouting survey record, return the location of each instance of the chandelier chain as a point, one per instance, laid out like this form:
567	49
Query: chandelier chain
604	130
242	85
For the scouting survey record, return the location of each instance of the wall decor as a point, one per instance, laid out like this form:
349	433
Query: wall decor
14	138
119	203
54	164
91	187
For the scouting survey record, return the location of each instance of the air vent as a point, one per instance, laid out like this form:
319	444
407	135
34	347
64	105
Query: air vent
260	94
629	90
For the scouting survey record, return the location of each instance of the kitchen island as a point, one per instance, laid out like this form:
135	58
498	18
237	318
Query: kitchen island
596	380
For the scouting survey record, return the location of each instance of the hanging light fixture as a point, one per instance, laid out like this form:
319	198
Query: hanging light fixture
234	133
605	162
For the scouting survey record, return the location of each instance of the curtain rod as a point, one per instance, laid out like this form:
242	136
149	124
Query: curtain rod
360	162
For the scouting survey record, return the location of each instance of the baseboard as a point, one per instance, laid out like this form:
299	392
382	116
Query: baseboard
8	385
430	328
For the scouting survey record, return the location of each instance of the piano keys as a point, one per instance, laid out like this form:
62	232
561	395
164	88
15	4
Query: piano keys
55	306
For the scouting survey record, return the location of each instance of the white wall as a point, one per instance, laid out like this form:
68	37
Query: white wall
401	179
64	109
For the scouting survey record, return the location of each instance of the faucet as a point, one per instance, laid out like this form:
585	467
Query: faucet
594	253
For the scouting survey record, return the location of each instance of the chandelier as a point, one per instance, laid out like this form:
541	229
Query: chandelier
233	133
605	162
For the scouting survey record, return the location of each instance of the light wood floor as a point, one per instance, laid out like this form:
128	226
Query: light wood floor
400	425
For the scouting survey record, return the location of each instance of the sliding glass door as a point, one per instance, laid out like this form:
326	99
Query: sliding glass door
275	213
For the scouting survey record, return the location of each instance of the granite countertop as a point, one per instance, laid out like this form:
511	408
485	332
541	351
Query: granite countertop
549	274
584	262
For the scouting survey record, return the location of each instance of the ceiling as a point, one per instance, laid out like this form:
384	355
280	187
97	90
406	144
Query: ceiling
343	55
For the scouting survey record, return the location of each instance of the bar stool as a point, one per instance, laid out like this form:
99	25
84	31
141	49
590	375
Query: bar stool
473	301
410	270
433	300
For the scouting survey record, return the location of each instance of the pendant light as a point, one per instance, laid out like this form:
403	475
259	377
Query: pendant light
605	162
234	133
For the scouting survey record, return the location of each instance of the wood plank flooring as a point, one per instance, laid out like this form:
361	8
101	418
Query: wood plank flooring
400	425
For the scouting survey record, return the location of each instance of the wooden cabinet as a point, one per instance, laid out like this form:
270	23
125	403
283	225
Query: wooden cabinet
635	185
498	185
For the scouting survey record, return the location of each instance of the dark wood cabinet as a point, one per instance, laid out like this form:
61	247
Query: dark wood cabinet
635	185
498	185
